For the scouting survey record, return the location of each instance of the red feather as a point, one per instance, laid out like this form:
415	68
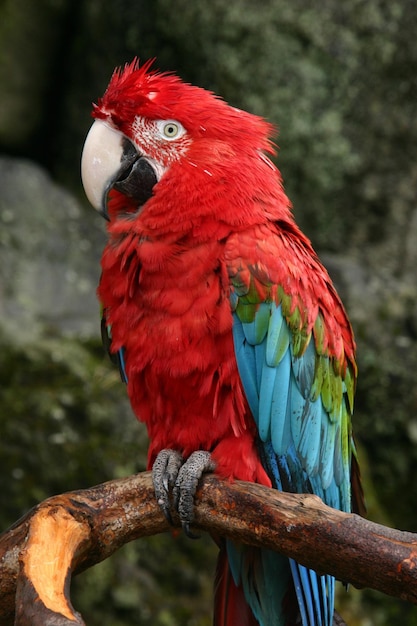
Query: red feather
166	270
218	215
231	608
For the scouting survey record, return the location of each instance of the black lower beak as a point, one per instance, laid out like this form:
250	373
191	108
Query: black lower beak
135	179
138	182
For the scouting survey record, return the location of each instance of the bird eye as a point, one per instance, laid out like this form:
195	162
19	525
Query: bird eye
170	129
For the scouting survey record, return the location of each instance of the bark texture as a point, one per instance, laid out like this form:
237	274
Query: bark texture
68	533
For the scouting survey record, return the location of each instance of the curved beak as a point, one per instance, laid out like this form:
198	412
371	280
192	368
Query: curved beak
110	160
100	162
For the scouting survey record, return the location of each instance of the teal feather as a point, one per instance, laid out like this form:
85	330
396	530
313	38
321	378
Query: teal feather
297	410
258	570
326	458
234	299
259	361
337	458
245	356
304	368
317	383
332	496
337	395
265	401
300	481
309	442
256	330
278	338
280	424
299	401
326	387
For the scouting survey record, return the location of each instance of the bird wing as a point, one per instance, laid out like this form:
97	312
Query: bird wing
295	355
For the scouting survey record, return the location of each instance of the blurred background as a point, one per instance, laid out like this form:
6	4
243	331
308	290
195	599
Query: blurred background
339	80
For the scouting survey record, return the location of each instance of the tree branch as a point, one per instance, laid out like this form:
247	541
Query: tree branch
68	533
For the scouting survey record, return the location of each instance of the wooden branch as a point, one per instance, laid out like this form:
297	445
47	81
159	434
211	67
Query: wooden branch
68	533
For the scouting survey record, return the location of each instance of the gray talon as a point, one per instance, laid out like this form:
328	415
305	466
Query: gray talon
164	473
186	484
188	532
169	472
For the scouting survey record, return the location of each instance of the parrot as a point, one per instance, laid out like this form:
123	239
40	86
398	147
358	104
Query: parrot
236	350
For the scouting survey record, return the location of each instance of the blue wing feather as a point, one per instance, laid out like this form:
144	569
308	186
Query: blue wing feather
298	405
302	418
256	330
278	339
280	426
299	590
259	361
309	444
304	369
326	459
245	356
265	401
257	570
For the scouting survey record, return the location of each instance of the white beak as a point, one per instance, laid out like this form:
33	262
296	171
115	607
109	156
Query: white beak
100	161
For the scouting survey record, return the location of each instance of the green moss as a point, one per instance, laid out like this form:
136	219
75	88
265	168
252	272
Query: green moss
66	424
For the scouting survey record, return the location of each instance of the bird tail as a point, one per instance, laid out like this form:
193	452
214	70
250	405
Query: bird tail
230	606
258	587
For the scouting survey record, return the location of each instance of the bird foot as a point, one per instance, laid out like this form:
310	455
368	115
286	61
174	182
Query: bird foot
175	483
164	474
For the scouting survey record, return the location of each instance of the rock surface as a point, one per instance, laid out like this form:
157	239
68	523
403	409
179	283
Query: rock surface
50	249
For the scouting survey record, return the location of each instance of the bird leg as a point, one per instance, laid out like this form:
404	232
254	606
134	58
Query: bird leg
172	476
164	474
185	486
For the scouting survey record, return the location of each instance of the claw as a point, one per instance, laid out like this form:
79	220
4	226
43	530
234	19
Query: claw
164	474
165	483
186	484
171	475
188	531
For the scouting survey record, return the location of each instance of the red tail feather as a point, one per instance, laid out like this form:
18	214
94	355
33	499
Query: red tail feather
230	606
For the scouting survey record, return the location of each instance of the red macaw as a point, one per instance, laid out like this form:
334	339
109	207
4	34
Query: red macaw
236	350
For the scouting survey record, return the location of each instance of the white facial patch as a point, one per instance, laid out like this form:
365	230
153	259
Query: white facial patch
163	141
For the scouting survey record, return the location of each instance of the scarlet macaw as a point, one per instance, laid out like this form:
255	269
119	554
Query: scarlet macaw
237	352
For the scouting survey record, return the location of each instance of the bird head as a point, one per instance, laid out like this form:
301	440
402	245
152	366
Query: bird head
148	122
